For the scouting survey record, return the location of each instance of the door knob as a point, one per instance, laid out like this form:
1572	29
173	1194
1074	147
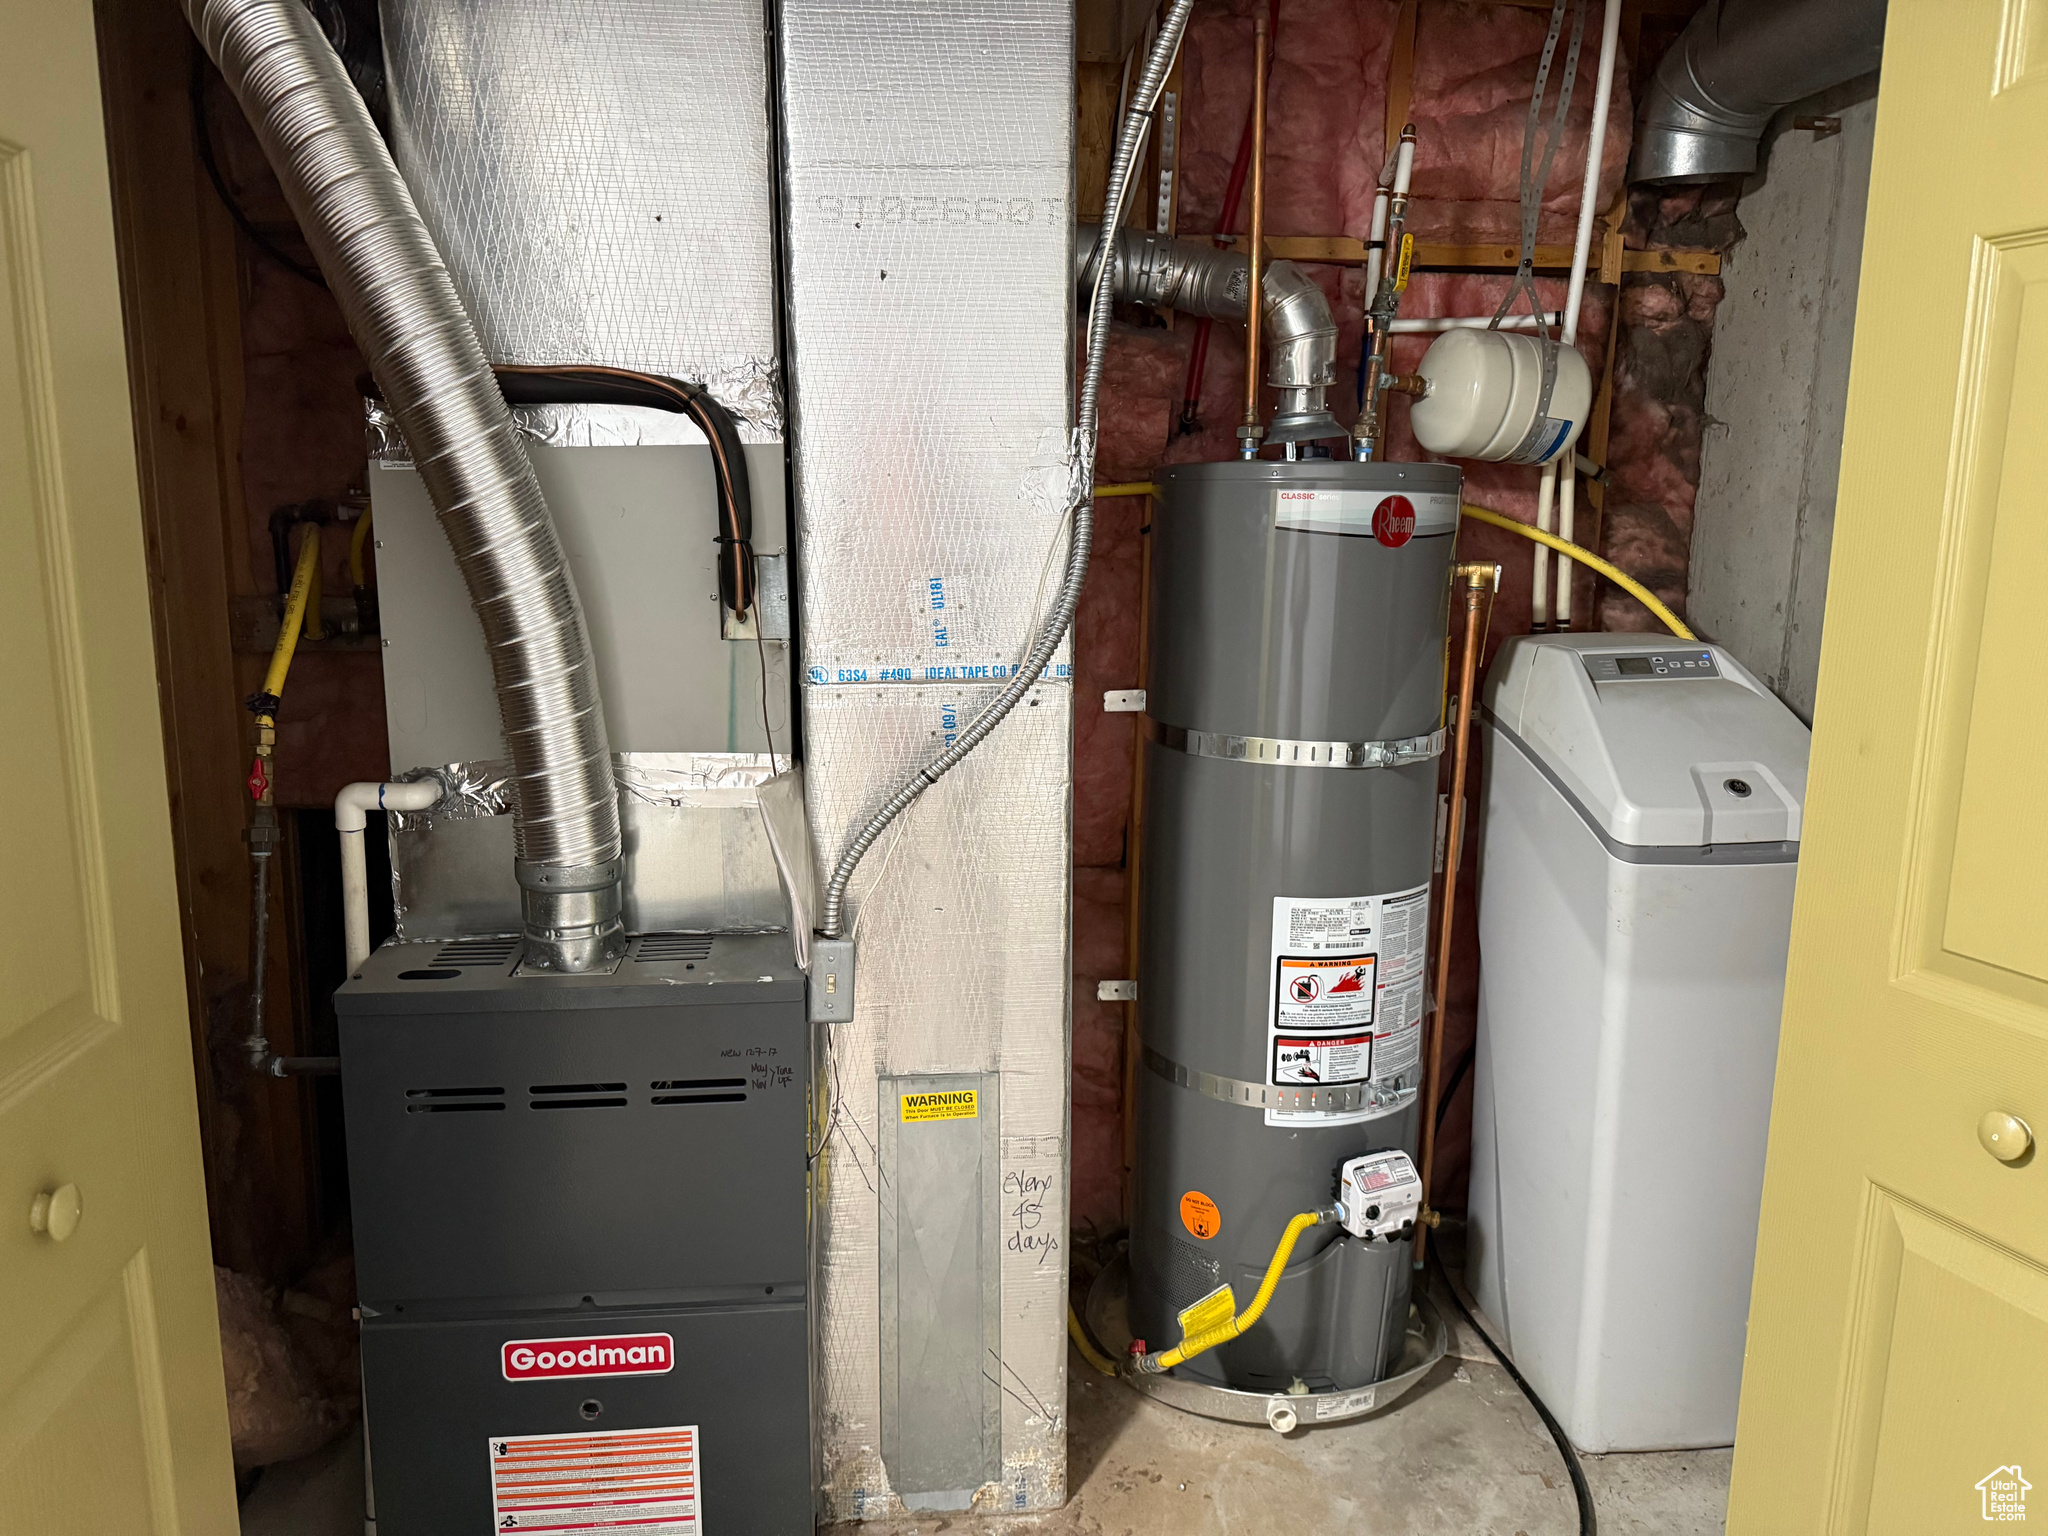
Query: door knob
2005	1137
56	1212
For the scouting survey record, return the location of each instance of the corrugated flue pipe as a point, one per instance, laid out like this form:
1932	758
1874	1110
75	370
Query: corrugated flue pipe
401	307
1196	278
1734	66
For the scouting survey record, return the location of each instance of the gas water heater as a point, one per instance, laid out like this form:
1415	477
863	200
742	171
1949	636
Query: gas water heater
1290	790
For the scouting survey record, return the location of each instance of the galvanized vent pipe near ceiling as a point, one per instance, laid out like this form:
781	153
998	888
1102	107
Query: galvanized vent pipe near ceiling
1734	66
358	217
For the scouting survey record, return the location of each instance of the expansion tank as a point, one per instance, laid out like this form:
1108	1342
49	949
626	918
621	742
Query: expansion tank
1290	806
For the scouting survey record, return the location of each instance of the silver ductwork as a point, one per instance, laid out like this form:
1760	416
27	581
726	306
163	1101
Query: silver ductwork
388	277
1735	65
1197	278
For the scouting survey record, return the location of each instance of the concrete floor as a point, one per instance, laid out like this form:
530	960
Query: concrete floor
1463	1453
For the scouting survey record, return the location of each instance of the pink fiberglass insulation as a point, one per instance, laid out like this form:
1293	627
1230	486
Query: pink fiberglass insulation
1474	65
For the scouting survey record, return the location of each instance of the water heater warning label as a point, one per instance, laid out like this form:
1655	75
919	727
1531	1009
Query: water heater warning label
1326	991
1345	1007
639	1480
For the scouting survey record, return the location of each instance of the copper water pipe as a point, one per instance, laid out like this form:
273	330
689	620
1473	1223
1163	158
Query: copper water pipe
1252	429
1479	580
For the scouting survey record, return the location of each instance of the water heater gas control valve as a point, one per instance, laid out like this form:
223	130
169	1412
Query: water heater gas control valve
1380	1195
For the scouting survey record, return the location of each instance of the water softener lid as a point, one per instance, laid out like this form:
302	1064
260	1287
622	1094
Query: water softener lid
1659	743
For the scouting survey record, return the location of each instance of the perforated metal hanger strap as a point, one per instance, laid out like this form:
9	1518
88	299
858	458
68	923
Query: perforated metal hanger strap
1535	178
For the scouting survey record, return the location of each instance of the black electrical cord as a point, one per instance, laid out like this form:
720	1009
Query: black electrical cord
1589	1523
590	384
1443	1103
202	139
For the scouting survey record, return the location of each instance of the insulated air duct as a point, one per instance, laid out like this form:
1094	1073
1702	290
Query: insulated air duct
360	222
1735	65
1197	278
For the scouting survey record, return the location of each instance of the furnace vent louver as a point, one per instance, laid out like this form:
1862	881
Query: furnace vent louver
577	1096
700	1090
477	954
452	1101
669	947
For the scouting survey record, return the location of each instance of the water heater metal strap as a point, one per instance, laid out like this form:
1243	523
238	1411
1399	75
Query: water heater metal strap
1233	1090
1284	752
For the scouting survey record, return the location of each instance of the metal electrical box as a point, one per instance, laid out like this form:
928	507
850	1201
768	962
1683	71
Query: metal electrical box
1637	852
581	1245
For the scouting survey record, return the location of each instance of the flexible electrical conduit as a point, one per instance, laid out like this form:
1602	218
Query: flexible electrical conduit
402	310
1080	510
1223	1333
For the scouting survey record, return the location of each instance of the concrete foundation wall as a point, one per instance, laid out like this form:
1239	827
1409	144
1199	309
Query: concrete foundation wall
1775	395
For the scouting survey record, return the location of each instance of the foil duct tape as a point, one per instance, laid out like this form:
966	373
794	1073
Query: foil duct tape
597	178
962	920
697	853
928	167
550	426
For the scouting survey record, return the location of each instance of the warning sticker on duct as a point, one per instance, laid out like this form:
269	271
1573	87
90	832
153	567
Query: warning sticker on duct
962	1104
1345	1009
1307	1061
640	1480
1416	514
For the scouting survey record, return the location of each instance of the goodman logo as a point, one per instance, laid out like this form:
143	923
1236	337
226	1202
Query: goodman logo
631	1354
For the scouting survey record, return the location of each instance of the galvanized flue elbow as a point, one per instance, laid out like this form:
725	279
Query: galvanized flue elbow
1198	279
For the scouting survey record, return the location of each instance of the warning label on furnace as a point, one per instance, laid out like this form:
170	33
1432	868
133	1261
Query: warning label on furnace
1347	998
961	1104
639	1480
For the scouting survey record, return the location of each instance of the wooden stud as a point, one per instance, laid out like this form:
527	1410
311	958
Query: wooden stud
1400	75
1434	256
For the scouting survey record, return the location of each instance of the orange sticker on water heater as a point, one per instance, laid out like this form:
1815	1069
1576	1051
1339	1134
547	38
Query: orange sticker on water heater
1199	1215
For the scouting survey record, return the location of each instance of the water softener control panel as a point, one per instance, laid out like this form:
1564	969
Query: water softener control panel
1613	667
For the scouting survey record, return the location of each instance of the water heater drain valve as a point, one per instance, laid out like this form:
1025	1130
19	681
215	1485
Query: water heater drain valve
1380	1195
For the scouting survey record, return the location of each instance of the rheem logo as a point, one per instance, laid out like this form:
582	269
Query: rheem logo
633	1354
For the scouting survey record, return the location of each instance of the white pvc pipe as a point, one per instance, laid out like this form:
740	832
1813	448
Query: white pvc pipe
1430	323
1375	246
1582	248
1539	572
350	818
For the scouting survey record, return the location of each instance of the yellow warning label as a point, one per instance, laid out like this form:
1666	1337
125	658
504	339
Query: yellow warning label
1407	259
1218	1307
962	1104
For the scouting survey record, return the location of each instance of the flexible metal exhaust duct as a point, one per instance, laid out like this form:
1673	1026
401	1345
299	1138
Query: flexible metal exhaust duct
359	219
1735	65
1197	278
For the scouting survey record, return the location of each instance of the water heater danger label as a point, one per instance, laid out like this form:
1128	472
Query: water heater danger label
961	1104
626	1354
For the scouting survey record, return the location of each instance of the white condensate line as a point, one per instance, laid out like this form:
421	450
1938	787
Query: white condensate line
1596	144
